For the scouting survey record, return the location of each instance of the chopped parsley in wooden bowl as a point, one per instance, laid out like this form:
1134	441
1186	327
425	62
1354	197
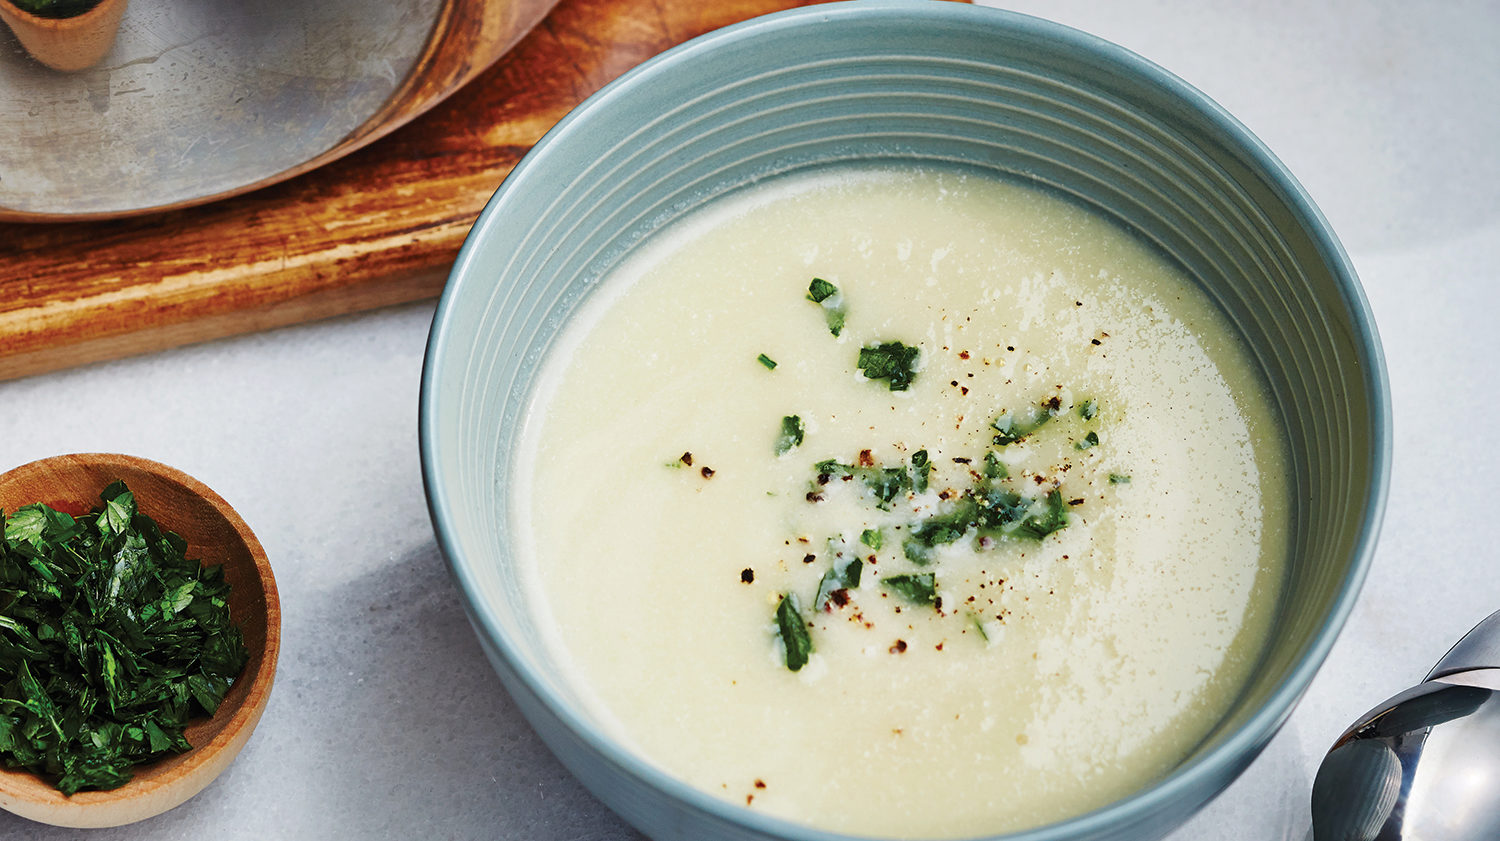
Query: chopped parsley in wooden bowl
93	500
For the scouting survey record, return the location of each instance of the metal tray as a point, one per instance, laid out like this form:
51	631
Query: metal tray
210	98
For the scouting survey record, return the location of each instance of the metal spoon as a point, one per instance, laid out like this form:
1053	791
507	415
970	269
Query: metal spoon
1425	764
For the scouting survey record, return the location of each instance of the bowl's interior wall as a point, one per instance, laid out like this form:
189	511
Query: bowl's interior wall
1075	116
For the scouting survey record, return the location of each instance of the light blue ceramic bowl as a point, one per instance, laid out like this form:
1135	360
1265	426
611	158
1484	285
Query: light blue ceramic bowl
914	81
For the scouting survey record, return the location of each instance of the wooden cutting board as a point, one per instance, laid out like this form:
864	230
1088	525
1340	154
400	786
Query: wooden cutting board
379	227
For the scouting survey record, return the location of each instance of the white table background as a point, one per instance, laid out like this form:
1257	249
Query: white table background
387	721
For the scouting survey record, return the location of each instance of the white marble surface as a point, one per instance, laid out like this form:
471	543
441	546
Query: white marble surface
387	721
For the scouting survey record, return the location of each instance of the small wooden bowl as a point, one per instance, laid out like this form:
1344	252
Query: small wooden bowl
215	533
74	43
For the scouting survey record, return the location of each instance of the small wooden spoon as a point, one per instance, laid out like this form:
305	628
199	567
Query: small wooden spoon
217	535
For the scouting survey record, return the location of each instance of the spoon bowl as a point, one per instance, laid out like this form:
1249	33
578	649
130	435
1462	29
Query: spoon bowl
1424	763
215	533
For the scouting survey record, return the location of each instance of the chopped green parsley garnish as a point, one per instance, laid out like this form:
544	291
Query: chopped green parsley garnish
830	468
791	435
1006	430
939	529
887	484
821	290
793	632
852	573
993	467
1001	510
920	470
892	361
56	8
1054	517
988	506
826	295
919	588
1011	428
111	639
993	507
835	579
767	361
1119	479
884	483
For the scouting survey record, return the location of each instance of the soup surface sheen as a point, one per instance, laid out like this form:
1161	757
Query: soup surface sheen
1076	644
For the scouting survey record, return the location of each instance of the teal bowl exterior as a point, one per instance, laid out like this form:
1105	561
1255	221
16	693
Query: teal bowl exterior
938	84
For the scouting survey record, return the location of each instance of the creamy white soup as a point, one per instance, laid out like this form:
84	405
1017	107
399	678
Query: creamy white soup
904	502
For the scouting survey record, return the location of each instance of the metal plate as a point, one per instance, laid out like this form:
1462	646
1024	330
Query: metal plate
199	99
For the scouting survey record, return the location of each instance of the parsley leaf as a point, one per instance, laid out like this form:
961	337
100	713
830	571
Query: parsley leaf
821	290
852	572
892	361
939	529
886	484
1012	428
1089	441
1052	518
119	507
871	538
26	524
883	483
919	588
1000	508
793	630
832	469
920	471
1088	409
766	361
979	626
993	467
836	578
791	435
827	296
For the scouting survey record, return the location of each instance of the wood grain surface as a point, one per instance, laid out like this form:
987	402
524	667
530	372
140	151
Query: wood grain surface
378	227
